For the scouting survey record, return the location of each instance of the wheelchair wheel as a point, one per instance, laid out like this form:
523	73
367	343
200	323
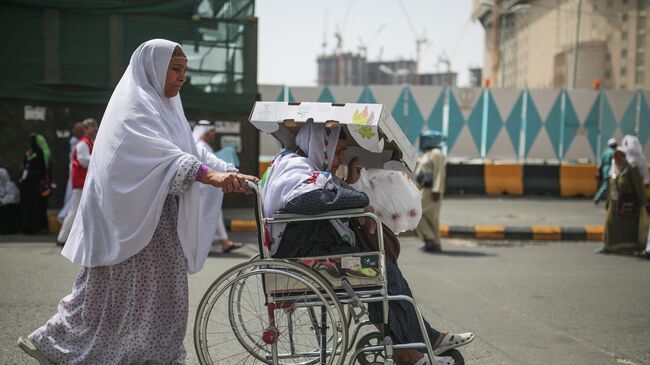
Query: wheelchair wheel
270	310
456	355
371	357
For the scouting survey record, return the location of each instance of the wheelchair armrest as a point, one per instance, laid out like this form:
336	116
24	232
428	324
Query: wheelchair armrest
332	213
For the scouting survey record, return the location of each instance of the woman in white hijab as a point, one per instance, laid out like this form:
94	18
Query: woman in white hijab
204	134
634	155
137	231
9	199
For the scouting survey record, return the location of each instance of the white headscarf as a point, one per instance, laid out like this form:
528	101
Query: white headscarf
200	129
9	193
291	175
634	155
615	171
143	140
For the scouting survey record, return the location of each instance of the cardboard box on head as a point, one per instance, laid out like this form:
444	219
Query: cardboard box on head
373	134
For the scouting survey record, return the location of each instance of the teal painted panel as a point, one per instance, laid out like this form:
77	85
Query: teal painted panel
326	96
553	122
434	122
644	121
475	121
367	96
628	122
407	115
281	95
494	123
514	122
534	123
456	121
571	124
609	123
591	124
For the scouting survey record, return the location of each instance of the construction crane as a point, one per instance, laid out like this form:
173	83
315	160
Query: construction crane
421	40
363	47
444	59
324	42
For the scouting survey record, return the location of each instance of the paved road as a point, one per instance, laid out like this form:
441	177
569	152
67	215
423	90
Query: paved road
553	303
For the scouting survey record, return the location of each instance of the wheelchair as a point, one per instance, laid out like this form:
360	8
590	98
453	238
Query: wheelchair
307	310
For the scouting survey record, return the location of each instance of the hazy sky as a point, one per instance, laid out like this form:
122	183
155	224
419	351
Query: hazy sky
291	34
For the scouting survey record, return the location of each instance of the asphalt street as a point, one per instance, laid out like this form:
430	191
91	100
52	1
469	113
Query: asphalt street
528	303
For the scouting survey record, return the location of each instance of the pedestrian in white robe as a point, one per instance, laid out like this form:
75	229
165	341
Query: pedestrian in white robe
204	135
430	177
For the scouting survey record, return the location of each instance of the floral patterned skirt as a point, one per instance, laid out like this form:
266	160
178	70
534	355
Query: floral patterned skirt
133	312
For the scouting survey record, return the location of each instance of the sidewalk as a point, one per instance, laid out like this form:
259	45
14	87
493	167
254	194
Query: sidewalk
518	218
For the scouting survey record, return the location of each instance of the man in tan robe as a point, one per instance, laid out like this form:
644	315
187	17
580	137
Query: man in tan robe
430	177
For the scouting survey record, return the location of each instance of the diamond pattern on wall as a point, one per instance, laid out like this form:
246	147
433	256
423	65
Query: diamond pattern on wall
533	125
553	122
456	121
514	122
366	96
434	122
644	119
494	122
590	118
608	122
628	122
281	95
326	96
408	115
591	124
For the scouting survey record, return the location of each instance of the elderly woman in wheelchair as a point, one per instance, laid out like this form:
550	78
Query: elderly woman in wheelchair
301	182
289	306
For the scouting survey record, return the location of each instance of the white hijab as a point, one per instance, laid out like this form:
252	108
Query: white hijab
199	131
634	155
9	193
291	175
143	140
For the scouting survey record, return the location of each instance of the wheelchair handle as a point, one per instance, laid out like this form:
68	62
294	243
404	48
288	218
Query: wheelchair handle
252	185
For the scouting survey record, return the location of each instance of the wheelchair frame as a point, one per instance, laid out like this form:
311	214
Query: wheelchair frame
319	289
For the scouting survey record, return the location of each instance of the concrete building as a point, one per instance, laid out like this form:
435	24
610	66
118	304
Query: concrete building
438	79
475	77
403	72
345	68
534	46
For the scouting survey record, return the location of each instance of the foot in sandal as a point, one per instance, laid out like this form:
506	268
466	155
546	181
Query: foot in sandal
30	349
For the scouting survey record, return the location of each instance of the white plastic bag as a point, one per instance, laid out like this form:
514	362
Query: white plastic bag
397	201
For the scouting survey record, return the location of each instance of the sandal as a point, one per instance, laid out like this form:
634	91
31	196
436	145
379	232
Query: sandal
30	349
452	341
232	246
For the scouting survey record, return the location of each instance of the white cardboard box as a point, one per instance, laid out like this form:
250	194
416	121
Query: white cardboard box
378	141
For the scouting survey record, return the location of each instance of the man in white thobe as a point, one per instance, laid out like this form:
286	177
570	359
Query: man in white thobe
430	177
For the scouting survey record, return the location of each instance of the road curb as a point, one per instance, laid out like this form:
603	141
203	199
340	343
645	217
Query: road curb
537	233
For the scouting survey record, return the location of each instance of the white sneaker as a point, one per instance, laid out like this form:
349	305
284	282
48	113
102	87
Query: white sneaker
452	341
30	349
